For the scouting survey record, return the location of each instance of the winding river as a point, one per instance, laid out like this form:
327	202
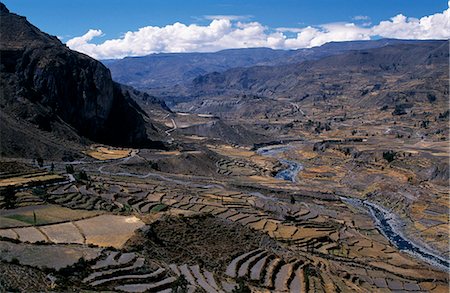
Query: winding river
293	167
386	221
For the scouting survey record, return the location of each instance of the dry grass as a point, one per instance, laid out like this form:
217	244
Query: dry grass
108	153
22	180
109	230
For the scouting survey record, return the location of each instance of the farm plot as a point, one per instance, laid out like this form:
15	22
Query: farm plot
130	272
109	230
108	153
41	215
46	256
103	231
31	179
16	174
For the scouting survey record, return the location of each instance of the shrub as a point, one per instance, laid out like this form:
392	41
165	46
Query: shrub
180	285
389	156
241	287
39	191
431	98
70	169
40	162
82	175
9	195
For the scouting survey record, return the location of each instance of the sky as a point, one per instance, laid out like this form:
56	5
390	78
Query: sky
118	28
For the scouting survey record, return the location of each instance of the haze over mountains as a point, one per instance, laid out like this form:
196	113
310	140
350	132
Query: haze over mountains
169	69
334	69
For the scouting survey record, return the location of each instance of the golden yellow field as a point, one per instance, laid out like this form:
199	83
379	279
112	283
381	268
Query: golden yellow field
21	180
108	153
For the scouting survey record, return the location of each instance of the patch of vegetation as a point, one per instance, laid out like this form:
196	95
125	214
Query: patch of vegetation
39	191
431	98
389	156
202	239
69	276
241	287
81	176
9	197
70	169
400	109
180	285
308	272
443	116
424	124
29	219
40	162
159	208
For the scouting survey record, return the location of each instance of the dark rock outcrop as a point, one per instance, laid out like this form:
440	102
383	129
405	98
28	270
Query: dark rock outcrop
45	83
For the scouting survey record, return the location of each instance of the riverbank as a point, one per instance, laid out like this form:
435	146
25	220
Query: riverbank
389	224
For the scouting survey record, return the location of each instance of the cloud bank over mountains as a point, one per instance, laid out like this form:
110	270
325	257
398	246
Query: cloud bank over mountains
226	32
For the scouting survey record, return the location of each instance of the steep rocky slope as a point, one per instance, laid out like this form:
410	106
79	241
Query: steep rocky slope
388	76
297	79
50	92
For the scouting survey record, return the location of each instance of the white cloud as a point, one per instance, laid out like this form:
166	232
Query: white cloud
230	31
289	29
436	26
361	17
229	17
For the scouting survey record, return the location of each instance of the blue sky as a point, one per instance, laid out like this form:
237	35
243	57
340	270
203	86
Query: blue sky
74	18
114	17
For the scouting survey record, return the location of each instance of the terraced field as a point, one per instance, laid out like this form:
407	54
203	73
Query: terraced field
155	231
128	272
40	215
22	199
51	256
102	231
31	179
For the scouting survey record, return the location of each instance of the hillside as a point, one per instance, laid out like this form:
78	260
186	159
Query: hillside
53	98
165	70
377	77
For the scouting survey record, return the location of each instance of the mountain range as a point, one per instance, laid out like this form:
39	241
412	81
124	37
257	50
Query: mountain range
180	77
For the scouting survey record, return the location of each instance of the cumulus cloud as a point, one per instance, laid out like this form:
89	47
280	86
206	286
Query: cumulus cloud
230	31
436	26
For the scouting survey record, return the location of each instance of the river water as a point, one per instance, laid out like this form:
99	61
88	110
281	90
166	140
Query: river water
387	222
293	167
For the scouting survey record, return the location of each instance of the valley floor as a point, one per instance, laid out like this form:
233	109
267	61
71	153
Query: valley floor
223	221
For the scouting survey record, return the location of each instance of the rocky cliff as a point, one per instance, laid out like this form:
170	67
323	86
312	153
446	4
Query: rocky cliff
46	84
